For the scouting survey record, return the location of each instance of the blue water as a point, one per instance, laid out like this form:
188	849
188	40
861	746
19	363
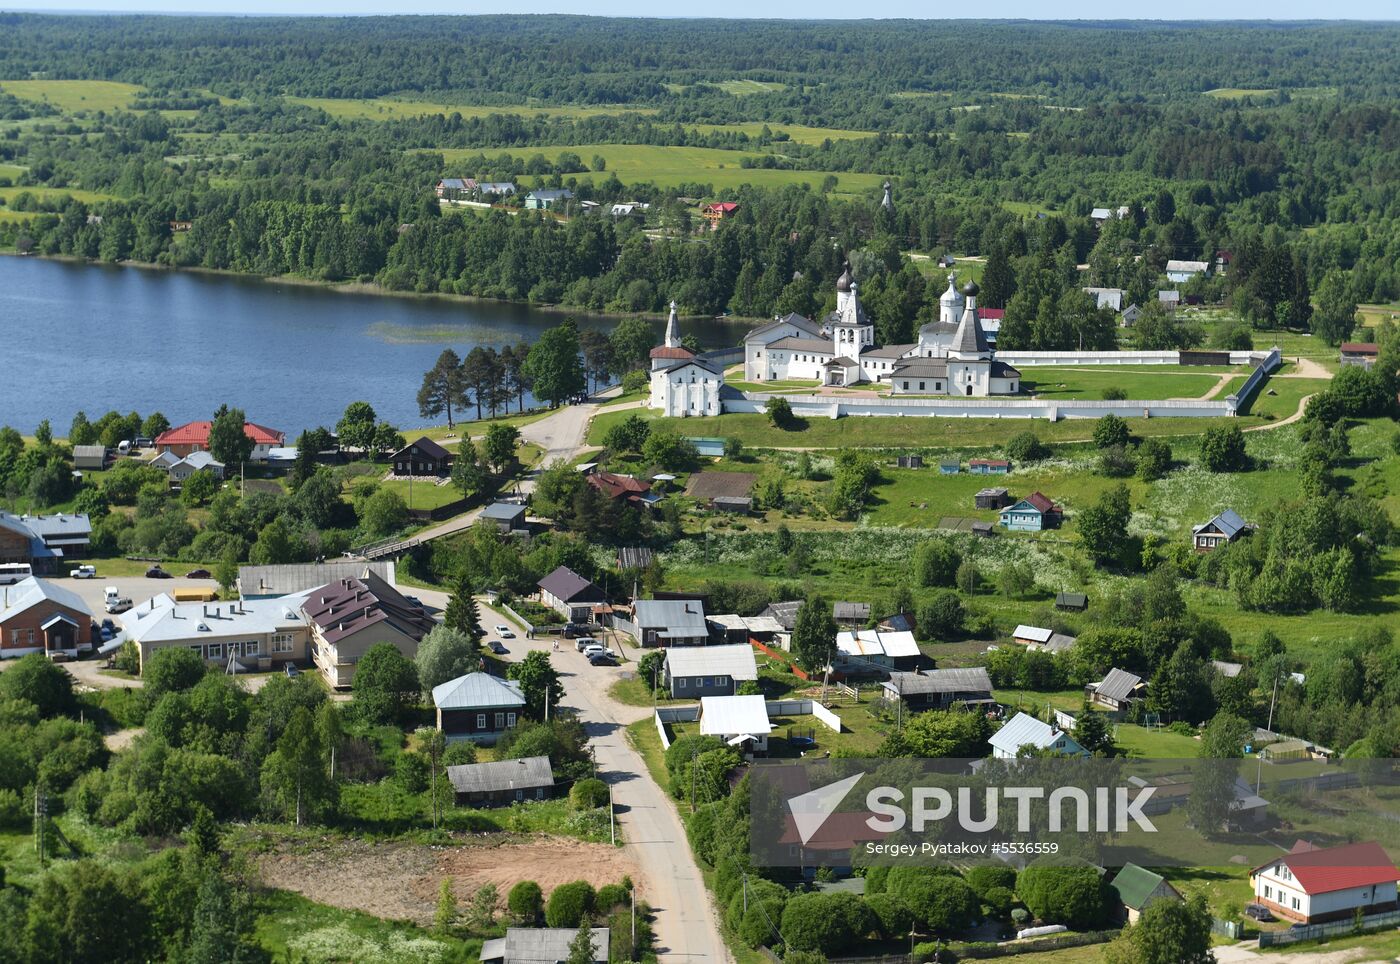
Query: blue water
100	337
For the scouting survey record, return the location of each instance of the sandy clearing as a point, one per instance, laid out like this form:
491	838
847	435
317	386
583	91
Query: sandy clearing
400	881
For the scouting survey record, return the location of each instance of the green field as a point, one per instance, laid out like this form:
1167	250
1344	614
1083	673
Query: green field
1164	381
672	166
74	95
796	133
393	108
48	194
1237	93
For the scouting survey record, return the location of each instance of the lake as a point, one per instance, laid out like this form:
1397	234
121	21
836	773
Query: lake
100	337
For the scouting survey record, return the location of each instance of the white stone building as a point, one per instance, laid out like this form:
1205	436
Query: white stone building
681	383
959	363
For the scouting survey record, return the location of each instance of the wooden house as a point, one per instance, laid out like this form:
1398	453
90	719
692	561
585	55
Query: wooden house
1225	527
422	457
1034	513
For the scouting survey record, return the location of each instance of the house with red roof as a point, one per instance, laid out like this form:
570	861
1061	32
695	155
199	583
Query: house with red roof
717	211
182	440
635	491
1034	513
1311	885
1360	353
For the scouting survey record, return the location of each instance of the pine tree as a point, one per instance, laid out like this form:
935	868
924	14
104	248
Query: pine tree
213	930
446	913
582	950
462	613
998	280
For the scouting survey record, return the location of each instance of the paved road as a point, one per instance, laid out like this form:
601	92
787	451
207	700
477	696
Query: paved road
687	928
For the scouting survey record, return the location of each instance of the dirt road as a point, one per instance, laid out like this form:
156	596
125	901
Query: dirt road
687	928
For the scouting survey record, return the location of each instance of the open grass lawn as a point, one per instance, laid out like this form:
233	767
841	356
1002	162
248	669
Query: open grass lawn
1154	744
47	194
671	166
1237	93
74	95
424	493
797	133
395	108
290	927
1070	701
973	434
644	738
1165	381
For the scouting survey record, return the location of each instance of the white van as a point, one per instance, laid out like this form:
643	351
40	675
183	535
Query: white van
118	605
110	594
124	447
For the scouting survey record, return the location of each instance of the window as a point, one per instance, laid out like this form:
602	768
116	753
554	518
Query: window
500	721
719	680
519	795
281	642
921	386
680	683
21	637
906	386
1295	903
510	719
216	651
481	721
1268	892
539	793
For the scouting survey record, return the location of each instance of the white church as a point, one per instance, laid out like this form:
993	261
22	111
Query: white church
951	357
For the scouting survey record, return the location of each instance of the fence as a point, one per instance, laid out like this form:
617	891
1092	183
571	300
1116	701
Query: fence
1267	365
529	626
441	512
1227	928
816	406
781	657
723	357
1311	932
826	716
924	952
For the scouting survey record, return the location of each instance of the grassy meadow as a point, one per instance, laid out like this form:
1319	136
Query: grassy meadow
74	95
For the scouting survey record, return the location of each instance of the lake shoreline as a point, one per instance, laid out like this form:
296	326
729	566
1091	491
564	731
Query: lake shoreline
373	289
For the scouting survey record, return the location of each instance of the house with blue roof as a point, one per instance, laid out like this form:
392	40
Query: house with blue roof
1226	527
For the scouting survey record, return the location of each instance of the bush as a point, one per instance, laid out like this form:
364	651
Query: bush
826	923
525	902
610	896
36	680
1154	459
1073	896
635	381
998	901
1110	431
1115	462
461	753
411	771
1026	447
172	671
588	794
941	617
936	563
779	412
895	918
570	904
1222	450
984	877
13	812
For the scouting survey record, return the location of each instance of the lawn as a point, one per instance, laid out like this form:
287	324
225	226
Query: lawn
797	133
424	493
1154	744
646	741
1238	93
48	194
1139	382
74	95
672	166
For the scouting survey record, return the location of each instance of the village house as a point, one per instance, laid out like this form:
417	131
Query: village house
477	707
1362	353
939	689
1220	265
988	466
502	782
1136	887
670	622
348	617
570	595
422	457
1225	527
455	188
1311	885
541	945
1037	639
182	469
1116	692
1170	300
740	721
194	437
1129	316
866	650
1071	601
635	492
547	199
1034	513
850	614
39	616
718	211
1106	297
695	671
44	541
495	189
1024	730
268	582
1179	272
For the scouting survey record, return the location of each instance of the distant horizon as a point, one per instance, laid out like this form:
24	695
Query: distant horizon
1099	11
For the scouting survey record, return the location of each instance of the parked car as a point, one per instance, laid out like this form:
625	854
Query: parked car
118	605
109	625
291	670
573	630
601	658
85	572
142	442
198	574
583	642
106	634
1258	912
593	650
156	572
497	647
504	632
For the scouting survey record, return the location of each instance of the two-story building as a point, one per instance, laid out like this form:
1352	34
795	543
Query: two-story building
422	456
348	617
44	541
265	633
194	437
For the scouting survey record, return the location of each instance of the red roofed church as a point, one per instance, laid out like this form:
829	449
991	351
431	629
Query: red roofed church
194	437
1310	885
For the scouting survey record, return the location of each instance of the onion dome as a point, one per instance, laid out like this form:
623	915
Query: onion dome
843	283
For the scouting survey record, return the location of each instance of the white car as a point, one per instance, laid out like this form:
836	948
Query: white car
85	572
504	632
594	650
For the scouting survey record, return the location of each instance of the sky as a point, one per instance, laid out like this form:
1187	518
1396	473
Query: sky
790	9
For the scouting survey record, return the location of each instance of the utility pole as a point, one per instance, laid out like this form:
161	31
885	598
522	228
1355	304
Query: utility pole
694	758
612	816
41	821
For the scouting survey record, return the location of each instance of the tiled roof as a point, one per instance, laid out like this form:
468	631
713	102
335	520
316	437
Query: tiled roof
197	433
1339	868
1040	502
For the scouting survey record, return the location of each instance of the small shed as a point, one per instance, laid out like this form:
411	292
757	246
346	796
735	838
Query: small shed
1136	887
505	516
988	466
1071	601
910	461
734	504
851	613
949	467
991	498
87	458
1286	751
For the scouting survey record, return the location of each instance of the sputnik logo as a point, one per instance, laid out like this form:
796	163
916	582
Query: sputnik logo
811	809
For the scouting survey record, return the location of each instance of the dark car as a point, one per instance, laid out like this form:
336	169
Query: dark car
575	630
603	659
1258	912
156	572
198	574
108	624
291	670
497	647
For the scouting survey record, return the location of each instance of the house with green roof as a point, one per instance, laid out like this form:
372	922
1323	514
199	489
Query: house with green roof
1137	887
